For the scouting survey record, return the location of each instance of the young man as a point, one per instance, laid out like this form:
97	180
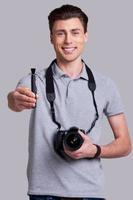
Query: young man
76	173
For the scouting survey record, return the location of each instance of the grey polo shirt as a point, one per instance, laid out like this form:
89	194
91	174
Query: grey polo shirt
48	173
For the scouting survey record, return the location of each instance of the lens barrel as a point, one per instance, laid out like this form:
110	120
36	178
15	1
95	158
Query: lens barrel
73	140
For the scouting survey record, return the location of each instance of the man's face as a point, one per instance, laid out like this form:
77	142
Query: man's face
68	39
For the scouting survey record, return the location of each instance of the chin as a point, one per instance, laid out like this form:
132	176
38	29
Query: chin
69	59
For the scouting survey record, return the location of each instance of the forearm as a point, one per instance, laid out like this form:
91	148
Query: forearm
117	148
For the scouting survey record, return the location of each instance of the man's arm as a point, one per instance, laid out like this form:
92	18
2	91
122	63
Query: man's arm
20	99
121	145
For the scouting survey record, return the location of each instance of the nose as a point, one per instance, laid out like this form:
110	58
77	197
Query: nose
68	38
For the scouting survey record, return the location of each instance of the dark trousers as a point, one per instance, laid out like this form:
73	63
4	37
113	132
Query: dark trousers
41	197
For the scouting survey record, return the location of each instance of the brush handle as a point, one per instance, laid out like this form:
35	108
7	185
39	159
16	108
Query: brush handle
33	81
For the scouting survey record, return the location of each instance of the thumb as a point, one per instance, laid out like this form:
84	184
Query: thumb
82	134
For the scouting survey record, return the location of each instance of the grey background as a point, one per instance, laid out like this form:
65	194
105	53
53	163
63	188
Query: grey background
24	41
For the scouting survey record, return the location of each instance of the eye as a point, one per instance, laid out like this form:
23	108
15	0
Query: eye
60	33
76	33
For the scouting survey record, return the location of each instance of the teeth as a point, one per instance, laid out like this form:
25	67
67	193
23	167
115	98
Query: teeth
68	49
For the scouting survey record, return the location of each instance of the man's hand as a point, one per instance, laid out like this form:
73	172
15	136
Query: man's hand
87	150
20	99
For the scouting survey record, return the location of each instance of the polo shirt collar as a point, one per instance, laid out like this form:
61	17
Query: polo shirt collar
58	73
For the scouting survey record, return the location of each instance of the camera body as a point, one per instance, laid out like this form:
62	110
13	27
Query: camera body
71	139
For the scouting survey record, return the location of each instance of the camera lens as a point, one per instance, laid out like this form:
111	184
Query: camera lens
73	140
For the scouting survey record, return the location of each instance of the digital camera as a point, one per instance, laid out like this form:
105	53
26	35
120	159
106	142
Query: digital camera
71	139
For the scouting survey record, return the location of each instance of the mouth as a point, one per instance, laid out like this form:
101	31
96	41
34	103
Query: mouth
68	50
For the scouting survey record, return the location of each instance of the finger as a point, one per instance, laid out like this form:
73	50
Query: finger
21	97
26	105
25	91
83	135
74	155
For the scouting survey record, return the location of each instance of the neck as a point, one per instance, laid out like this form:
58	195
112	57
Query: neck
72	69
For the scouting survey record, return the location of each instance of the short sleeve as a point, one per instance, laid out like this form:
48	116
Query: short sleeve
114	103
25	82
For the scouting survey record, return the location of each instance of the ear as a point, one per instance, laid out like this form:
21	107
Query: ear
51	38
86	36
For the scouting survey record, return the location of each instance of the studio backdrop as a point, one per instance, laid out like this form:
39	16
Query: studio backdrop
25	42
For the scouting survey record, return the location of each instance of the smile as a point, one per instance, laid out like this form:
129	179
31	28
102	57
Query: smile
68	49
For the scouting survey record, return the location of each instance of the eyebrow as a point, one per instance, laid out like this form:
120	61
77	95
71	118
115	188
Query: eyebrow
63	30
76	29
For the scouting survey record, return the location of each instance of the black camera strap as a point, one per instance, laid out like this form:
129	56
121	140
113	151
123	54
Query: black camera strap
50	93
92	87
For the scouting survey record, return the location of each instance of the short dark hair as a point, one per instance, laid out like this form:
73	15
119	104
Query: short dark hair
66	12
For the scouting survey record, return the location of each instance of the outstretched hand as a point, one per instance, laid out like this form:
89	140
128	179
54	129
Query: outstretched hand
22	98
